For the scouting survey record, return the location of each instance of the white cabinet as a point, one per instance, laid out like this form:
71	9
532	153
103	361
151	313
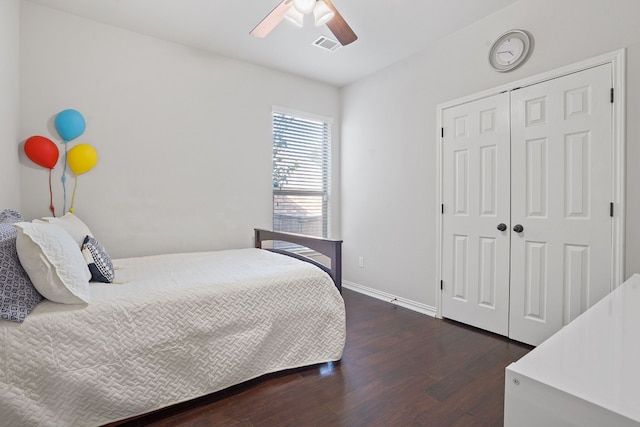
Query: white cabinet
585	375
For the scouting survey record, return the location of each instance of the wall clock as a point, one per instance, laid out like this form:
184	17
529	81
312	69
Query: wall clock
510	51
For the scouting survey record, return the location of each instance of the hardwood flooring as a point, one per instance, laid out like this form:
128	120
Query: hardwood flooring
400	368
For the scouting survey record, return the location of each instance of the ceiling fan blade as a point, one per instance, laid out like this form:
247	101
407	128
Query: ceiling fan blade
271	20
339	27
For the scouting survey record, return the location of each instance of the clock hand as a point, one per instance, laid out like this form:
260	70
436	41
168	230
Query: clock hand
506	51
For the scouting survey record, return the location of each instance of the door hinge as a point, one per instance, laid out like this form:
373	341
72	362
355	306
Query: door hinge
442	208
441	285
611	95
442	132
611	209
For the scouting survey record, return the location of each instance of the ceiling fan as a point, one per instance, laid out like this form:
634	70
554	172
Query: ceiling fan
324	12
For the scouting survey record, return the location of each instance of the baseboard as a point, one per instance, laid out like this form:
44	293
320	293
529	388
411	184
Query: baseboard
393	299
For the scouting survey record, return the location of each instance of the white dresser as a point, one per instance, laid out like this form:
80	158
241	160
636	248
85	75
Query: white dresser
587	374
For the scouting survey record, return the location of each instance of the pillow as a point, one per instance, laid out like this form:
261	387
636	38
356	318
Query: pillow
17	294
71	224
53	262
98	260
9	216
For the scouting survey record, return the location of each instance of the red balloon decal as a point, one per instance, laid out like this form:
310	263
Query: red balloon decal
41	151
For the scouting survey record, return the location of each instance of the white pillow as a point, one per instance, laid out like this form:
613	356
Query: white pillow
72	225
53	262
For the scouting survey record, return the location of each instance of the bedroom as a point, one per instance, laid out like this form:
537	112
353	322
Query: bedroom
156	171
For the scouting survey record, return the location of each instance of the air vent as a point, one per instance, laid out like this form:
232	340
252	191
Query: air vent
327	43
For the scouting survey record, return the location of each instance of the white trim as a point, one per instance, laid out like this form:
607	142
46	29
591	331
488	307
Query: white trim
302	114
393	299
611	57
619	166
617	59
439	191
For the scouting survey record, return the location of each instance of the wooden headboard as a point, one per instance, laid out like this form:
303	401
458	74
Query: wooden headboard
330	248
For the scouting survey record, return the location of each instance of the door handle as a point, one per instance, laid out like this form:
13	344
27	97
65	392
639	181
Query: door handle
518	228
502	226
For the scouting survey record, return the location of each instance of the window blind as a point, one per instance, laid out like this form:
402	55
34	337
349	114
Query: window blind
301	161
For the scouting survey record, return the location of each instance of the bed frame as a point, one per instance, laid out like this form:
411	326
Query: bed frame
328	247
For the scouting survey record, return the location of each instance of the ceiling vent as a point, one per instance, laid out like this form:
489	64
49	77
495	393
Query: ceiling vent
326	43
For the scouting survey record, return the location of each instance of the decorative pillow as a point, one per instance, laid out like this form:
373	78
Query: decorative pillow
53	262
9	216
71	224
17	294
98	260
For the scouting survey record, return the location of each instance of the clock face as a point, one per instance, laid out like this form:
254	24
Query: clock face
510	50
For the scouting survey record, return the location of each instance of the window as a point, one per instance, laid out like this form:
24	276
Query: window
301	160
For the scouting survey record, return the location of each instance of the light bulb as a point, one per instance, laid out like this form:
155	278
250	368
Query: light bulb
322	13
304	6
295	17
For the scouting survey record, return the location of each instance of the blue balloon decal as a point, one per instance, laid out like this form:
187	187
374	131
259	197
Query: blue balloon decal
70	124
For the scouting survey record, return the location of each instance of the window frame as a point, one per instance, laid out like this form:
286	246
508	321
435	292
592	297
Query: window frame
326	167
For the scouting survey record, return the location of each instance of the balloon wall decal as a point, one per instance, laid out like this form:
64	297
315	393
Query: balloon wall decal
43	152
81	159
70	124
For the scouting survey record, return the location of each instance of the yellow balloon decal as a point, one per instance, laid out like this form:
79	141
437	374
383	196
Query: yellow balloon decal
82	158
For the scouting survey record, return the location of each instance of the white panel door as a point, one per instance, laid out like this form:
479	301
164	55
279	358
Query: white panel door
475	254
561	188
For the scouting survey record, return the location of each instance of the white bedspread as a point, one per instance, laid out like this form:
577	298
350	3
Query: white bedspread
173	327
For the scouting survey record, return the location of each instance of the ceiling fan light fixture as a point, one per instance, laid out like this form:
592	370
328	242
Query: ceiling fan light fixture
294	11
295	17
304	6
321	13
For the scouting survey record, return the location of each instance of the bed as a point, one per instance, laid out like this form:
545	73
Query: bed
169	329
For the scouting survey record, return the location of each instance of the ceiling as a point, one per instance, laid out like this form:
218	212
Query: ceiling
388	30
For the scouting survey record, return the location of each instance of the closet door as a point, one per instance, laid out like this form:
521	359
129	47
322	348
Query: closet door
475	253
561	151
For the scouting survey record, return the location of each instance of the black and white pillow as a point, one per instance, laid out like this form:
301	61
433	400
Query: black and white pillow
9	216
18	296
98	260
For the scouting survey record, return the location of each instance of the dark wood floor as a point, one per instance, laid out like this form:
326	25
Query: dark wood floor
400	368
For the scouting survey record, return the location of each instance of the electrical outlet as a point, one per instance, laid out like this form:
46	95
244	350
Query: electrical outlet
361	262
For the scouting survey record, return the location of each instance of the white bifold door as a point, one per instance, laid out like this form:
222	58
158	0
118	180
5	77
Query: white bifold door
476	196
527	187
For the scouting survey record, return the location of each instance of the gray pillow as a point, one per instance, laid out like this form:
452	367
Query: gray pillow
9	216
17	294
98	260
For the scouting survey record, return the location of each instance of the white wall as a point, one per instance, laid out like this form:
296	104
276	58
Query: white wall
389	210
9	104
183	136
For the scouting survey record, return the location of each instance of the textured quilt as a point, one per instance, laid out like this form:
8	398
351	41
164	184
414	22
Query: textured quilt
171	328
